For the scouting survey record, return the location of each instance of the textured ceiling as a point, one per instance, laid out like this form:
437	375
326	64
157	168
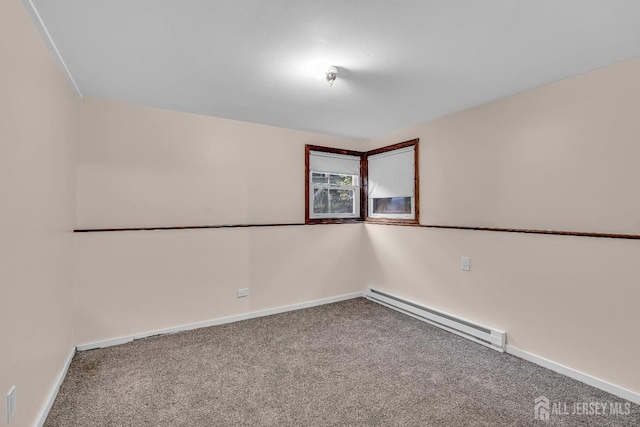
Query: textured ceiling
401	62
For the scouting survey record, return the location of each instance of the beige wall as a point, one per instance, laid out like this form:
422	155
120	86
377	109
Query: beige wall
38	114
571	300
560	157
142	167
130	283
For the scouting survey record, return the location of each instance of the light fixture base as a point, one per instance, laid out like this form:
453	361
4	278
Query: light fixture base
332	73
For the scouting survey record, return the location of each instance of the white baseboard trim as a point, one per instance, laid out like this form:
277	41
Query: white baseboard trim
576	375
219	321
56	388
105	343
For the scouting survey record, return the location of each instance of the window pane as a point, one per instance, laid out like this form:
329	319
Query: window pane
341	201
392	205
319	178
333	185
340	179
320	201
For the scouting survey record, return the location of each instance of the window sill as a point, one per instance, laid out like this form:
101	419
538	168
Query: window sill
311	221
392	221
382	221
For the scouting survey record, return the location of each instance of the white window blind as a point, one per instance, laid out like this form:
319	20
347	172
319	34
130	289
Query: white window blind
391	174
335	163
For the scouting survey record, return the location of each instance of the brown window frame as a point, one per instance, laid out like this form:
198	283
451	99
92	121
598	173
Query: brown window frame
364	195
307	218
416	184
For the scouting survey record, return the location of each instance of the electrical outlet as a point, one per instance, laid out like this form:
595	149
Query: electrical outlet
466	263
244	292
11	404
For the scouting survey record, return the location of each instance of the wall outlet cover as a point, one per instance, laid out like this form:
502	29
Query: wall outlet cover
466	263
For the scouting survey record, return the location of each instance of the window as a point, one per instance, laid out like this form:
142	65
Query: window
393	183
379	186
333	184
334	194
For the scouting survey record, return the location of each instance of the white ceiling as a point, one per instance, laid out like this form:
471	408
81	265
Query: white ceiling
401	62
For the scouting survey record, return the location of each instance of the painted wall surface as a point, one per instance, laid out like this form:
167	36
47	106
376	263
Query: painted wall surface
129	283
38	121
571	300
142	167
560	157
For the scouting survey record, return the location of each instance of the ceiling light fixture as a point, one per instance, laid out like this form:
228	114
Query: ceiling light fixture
332	73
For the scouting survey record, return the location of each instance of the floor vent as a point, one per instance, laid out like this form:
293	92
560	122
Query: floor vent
481	334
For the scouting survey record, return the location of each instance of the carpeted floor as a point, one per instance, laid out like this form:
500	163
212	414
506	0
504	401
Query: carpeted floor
353	363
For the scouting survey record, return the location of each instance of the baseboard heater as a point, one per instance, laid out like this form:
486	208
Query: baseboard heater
491	338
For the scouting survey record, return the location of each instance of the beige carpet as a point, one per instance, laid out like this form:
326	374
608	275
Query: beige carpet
353	363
